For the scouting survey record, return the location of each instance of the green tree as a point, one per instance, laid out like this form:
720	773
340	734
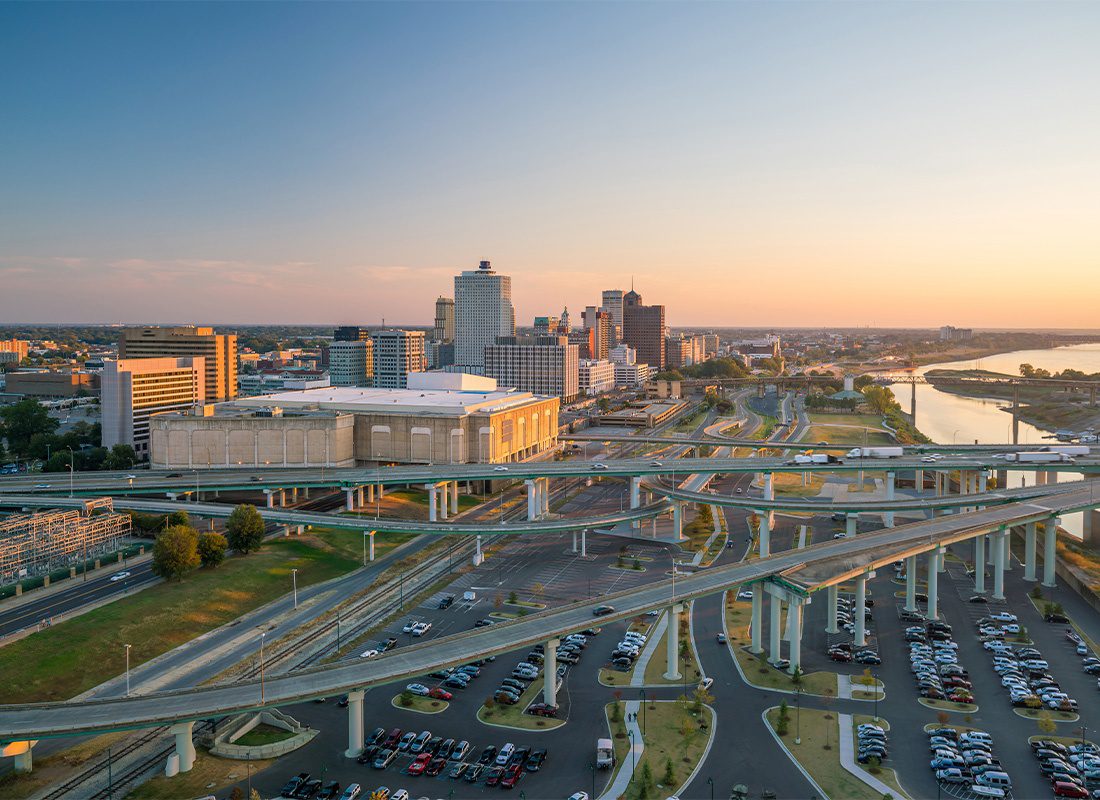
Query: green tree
20	421
513	598
176	553
245	529
669	778
121	456
648	783
879	398
177	518
212	547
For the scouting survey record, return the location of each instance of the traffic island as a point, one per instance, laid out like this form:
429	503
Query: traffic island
687	660
947	705
407	701
500	715
811	738
613	677
676	736
1042	713
755	668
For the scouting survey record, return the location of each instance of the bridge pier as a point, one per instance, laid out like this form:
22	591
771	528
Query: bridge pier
355	723
635	497
185	745
769	495
918	481
433	502
1029	551
765	535
453	486
756	627
532	499
478	557
891	484
983	484
832	594
774	628
370	536
1090	527
979	564
574	541
794	633
550	671
990	545
911	583
21	753
271	498
1050	551
999	565
1006	544
677	520
349	500
851	523
672	654
859	613
584	543
934	583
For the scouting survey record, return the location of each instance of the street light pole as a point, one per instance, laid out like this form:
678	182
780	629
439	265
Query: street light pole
262	635
710	782
72	468
127	670
641	692
798	714
294	583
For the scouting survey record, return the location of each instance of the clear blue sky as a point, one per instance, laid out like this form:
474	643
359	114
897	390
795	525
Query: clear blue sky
747	163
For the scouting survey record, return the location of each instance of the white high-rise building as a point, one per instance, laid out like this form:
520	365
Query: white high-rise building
612	303
351	363
483	311
135	389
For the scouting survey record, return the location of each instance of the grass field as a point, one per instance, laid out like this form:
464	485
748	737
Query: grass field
423	705
263	734
513	716
673	732
209	774
73	656
819	730
686	661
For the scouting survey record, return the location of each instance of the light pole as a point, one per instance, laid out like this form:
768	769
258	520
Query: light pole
127	670
874	677
365	534
641	693
294	584
72	468
592	769
798	714
262	635
710	782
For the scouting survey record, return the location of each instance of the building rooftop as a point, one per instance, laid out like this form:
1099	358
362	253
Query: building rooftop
394	401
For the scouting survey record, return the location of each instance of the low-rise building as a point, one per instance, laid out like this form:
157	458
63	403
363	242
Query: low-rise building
596	377
52	384
631	375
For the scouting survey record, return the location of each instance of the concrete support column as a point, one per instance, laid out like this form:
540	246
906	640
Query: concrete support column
891	485
1050	551
584	543
370	492
574	541
979	564
999	565
859	613
1002	479
550	671
989	545
454	498
532	503
911	583
370	536
918	480
1040	478
355	723
301	530
756	627
1052	477
442	493
769	495
765	535
832	593
360	496
1090	527
775	629
1029	551
23	761
1007	545
672	654
545	496
478	557
635	491
349	500
433	502
282	498
933	585
185	746
677	520
851	524
271	500
794	635
982	484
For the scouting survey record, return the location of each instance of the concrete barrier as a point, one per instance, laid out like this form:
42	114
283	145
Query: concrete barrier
224	743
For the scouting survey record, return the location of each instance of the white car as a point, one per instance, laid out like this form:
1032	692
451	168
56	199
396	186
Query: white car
1004	616
41	486
929	460
500	469
579	796
368	654
599	466
420	628
1012	628
351	791
744	594
120	576
418	689
706	683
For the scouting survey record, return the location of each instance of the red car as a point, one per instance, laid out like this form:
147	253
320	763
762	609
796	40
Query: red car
542	710
392	739
440	694
512	776
840	655
495	774
420	763
1067	789
435	766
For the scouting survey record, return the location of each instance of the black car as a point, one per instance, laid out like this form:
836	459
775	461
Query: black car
308	790
488	755
481	623
330	792
387	644
1059	618
535	761
294	784
600	611
370	752
447	601
474	773
519	756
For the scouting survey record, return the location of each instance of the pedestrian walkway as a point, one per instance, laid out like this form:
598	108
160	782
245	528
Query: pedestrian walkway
637	678
622	778
848	757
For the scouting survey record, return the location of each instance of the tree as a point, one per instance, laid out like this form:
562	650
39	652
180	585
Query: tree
879	398
513	598
1046	724
177	518
20	421
121	456
176	552
212	547
244	529
537	590
669	778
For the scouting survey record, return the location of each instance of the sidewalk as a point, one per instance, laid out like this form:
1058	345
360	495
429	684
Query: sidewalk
637	677
848	758
624	774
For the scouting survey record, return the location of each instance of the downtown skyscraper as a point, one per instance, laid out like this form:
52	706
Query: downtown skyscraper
483	311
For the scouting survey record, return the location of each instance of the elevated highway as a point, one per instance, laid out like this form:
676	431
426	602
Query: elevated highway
795	573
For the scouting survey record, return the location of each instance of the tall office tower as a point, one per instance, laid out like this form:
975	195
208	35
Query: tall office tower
564	325
546	365
351	363
483	311
444	330
612	303
396	354
218	349
584	339
134	389
350	333
677	352
600	323
644	330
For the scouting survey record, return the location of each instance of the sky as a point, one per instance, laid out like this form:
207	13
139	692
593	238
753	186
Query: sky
745	164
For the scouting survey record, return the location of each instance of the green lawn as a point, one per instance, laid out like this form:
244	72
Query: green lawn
672	731
513	716
263	734
685	659
72	657
209	774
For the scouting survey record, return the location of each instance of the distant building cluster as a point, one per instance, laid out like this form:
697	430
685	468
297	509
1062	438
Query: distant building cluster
949	333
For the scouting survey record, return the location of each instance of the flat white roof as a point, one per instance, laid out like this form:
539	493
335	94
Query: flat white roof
359	399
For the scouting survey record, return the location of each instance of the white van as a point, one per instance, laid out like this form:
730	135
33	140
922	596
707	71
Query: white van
998	780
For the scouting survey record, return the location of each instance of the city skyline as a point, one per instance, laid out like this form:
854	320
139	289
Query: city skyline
885	165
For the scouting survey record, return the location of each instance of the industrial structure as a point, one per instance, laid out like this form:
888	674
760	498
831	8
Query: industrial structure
36	544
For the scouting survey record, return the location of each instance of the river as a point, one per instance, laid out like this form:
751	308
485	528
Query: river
948	418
